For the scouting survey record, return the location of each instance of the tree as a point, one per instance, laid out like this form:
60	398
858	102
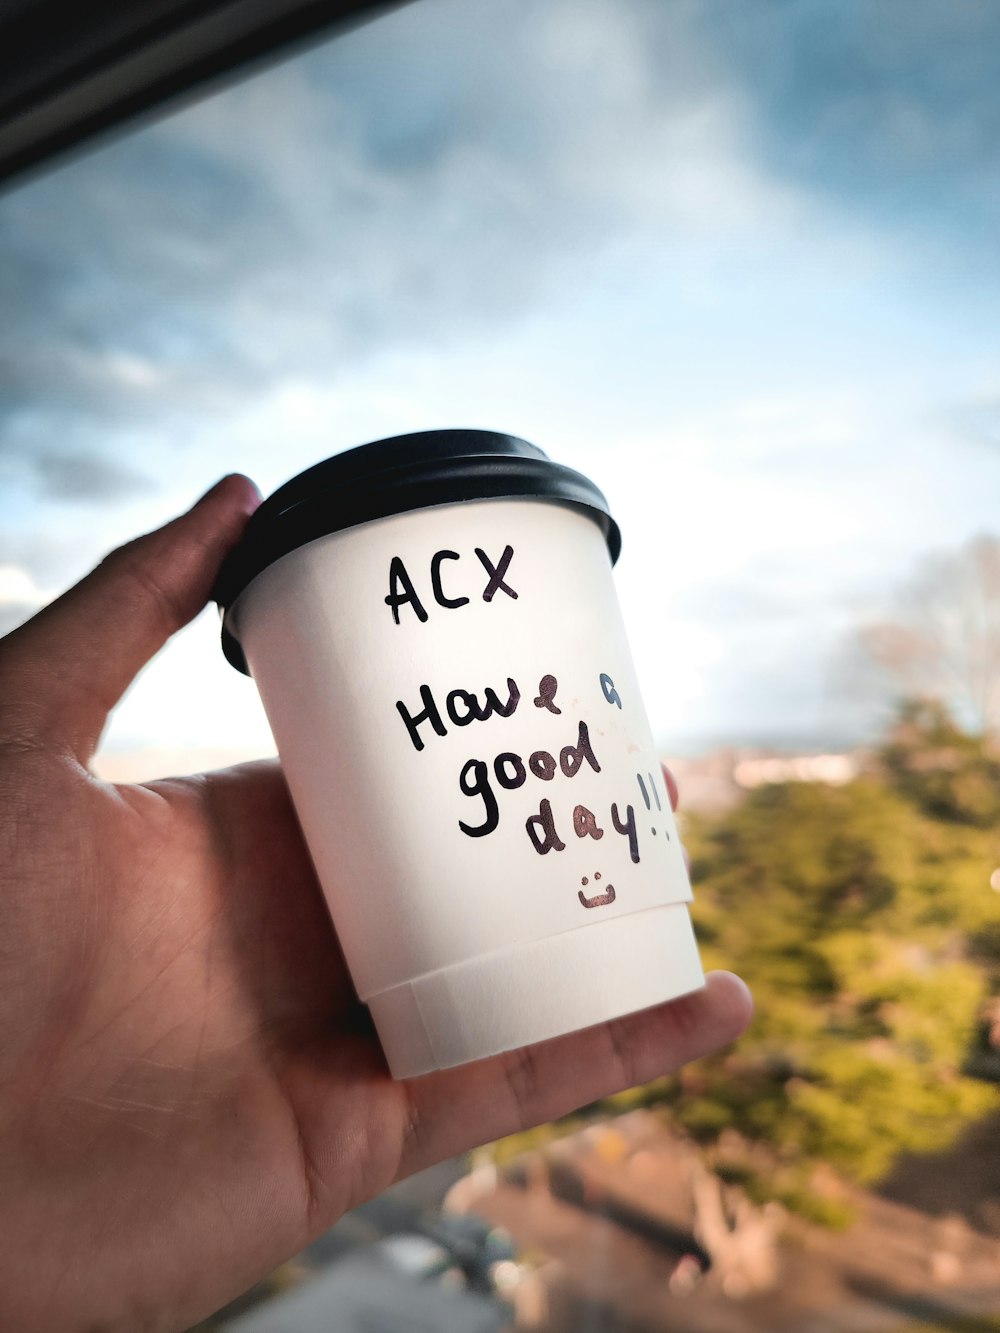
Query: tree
945	772
943	639
863	918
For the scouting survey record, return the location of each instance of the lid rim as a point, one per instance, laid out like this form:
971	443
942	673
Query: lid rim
401	453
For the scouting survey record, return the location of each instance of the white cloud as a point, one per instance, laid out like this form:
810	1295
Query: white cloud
305	218
18	588
579	220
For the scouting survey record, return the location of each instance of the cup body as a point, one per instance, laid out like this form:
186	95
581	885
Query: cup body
456	710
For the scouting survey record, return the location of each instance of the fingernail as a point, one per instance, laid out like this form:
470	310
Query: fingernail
252	494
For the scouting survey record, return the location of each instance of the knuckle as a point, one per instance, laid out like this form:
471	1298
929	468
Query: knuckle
522	1077
623	1052
132	565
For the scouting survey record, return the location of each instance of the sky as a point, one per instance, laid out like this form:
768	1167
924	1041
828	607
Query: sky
737	263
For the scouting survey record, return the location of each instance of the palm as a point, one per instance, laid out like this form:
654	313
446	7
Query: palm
188	1089
211	1056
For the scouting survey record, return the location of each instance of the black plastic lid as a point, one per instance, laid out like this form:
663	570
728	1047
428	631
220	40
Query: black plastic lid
393	476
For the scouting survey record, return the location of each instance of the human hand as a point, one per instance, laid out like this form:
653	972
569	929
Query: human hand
189	1089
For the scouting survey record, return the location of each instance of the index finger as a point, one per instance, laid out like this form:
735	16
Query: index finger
66	668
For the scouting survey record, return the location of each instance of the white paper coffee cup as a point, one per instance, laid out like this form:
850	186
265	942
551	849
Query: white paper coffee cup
432	624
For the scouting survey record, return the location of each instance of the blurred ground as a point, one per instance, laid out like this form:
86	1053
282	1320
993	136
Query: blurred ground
609	1214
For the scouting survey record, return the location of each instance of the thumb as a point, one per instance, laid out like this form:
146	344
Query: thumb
63	671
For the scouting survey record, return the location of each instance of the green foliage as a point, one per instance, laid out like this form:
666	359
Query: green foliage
862	917
957	1324
947	773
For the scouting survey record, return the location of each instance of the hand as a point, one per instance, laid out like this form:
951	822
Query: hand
189	1090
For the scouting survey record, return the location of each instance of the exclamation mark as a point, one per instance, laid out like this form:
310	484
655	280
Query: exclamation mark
645	796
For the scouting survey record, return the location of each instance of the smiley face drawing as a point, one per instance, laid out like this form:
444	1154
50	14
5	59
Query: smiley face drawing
599	899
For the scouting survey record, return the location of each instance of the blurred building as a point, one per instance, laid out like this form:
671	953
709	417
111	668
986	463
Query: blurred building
716	781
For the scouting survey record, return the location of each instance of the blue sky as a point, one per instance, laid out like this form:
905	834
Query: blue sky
737	263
